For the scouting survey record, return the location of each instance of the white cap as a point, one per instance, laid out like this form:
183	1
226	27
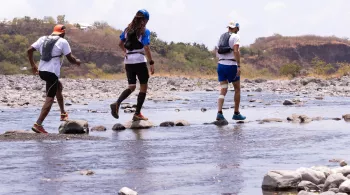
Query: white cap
233	24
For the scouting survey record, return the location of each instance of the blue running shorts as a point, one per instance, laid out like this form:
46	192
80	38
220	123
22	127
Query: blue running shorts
227	73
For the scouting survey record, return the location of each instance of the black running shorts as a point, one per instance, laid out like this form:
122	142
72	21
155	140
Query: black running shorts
52	83
140	70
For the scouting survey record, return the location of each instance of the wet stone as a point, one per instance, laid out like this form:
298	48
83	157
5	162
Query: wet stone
220	123
182	123
127	191
86	172
74	127
167	124
99	128
118	127
139	124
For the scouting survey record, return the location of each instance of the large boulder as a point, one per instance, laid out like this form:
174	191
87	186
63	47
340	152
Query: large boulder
74	127
326	170
281	180
345	170
345	187
139	125
334	181
316	177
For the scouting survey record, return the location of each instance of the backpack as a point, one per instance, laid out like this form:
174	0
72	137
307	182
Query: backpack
224	45
132	42
49	43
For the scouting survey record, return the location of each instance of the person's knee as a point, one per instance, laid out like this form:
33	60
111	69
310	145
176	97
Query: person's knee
224	88
132	88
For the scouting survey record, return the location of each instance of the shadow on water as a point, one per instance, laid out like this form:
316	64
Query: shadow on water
199	159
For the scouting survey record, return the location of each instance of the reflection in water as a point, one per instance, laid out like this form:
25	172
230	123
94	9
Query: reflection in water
228	151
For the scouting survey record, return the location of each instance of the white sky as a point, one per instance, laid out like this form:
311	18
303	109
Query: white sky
201	21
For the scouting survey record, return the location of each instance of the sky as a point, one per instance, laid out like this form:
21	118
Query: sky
200	21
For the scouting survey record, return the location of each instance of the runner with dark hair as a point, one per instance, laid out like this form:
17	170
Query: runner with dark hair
135	41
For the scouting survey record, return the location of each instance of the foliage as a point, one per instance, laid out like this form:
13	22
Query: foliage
290	69
320	67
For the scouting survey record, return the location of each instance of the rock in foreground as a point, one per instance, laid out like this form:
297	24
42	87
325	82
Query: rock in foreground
139	125
281	180
74	127
126	191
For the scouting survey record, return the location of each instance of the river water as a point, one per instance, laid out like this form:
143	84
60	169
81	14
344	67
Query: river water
199	159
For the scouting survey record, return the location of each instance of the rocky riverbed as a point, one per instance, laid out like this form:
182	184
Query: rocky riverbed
26	90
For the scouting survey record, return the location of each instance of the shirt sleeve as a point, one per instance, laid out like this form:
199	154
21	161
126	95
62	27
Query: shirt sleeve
146	38
122	36
38	43
66	48
234	40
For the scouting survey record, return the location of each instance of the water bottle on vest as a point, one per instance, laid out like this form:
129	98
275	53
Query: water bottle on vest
49	43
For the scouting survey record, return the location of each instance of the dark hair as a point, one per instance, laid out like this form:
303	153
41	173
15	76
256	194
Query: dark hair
138	24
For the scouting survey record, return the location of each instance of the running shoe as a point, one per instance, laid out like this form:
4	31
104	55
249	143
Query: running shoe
139	117
114	110
38	128
238	117
64	117
220	117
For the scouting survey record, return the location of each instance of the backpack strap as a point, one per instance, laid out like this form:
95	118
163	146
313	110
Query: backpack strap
135	53
228	59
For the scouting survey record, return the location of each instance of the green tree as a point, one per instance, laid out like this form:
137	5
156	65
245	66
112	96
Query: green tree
290	69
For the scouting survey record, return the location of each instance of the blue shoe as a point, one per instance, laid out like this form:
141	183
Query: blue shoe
238	117
220	117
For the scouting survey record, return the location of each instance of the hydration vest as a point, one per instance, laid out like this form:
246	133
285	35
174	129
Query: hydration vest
49	43
224	45
132	42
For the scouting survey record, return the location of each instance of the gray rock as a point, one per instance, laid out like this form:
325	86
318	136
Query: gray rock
345	187
139	125
306	193
126	191
99	128
326	170
258	90
260	80
86	172
316	177
343	163
328	193
182	123
288	103
118	127
167	124
74	127
335	190
334	181
281	180
272	120
343	170
346	117
68	104
307	185
220	122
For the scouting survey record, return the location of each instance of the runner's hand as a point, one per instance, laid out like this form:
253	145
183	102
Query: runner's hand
35	69
78	62
152	69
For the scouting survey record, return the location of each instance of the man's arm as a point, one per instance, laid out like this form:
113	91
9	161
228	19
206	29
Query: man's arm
149	57
237	54
30	55
72	59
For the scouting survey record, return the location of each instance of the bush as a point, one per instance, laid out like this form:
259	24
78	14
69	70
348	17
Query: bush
90	66
321	68
290	69
9	68
110	69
